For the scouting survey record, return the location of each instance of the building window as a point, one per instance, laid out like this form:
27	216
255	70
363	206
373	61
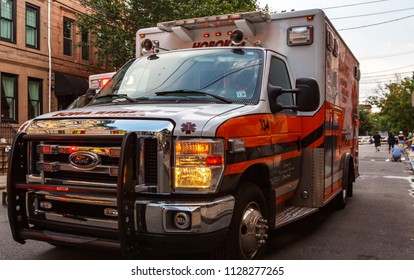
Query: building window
86	54
8	97
67	36
32	26
7	21
34	97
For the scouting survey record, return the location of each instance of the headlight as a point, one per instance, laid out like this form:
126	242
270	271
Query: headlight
199	164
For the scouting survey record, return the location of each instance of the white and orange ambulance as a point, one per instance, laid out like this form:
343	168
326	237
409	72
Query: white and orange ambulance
220	130
98	81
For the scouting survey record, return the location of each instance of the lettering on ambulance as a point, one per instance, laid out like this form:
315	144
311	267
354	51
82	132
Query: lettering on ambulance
100	113
286	179
219	43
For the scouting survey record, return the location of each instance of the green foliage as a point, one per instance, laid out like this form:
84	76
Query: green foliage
114	23
366	122
397	111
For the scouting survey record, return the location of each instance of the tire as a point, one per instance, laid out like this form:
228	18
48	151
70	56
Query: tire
341	199
248	230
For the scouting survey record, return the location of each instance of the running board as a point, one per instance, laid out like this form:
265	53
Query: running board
289	214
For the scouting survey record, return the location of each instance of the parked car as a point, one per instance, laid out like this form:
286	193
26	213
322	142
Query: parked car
365	140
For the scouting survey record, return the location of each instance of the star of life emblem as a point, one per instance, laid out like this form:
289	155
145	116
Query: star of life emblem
188	127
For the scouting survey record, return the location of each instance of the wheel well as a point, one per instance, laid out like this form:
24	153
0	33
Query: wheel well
259	175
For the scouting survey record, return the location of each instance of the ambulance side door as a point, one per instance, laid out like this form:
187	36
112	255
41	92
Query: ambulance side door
285	133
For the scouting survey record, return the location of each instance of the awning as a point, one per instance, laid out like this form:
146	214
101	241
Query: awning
66	84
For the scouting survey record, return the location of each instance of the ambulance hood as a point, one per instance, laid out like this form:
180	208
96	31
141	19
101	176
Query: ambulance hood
185	118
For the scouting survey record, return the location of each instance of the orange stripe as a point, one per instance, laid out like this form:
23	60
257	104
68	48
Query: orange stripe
310	123
259	125
272	124
257	141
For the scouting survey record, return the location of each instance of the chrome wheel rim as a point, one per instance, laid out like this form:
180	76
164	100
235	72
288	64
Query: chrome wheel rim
253	231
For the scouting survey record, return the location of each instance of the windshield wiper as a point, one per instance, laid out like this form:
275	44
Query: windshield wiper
118	96
190	91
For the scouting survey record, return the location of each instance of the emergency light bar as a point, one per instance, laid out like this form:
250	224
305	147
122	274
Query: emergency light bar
211	21
99	83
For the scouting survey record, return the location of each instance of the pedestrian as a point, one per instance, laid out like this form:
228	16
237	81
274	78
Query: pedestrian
409	136
401	138
377	141
391	141
409	141
397	152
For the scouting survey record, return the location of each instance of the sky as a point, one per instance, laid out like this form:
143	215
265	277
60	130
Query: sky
380	34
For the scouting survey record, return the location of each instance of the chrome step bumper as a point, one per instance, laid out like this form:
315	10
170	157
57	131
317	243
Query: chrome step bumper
289	214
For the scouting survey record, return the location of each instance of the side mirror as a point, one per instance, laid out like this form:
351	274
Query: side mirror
274	92
306	93
90	93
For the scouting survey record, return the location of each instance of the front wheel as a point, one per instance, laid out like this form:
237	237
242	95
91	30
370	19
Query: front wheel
248	230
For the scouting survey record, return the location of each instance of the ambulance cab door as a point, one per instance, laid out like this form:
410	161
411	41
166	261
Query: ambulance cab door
285	133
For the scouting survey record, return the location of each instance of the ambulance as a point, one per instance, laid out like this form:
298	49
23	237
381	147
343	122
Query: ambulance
221	130
98	81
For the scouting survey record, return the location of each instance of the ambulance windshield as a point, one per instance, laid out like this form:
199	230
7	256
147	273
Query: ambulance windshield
206	75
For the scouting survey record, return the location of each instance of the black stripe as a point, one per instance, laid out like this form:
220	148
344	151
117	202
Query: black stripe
257	152
311	138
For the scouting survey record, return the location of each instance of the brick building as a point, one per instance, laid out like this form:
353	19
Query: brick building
42	67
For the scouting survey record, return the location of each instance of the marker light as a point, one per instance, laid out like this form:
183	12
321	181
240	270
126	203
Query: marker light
104	81
300	35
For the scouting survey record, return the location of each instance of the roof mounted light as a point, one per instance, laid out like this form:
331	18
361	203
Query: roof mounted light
300	35
237	38
147	45
150	46
221	20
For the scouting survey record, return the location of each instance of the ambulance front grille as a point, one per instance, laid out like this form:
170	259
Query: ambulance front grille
52	162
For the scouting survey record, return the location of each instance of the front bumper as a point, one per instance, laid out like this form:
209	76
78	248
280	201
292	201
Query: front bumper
155	222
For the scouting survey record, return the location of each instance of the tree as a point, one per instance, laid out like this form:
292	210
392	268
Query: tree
114	23
395	104
366	123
